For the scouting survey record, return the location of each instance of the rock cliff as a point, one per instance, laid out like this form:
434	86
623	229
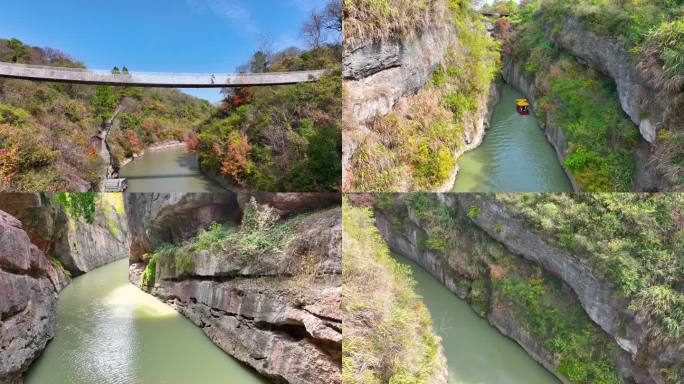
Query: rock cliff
379	73
610	56
494	246
80	246
29	285
277	311
600	298
157	218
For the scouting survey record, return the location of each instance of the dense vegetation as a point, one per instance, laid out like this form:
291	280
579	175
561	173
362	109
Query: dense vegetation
495	280
46	128
260	234
634	240
580	101
654	34
381	19
285	138
415	146
388	334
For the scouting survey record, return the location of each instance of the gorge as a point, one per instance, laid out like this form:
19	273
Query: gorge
420	89
563	275
268	303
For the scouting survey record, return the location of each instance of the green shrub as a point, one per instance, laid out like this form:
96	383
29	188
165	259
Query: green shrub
148	276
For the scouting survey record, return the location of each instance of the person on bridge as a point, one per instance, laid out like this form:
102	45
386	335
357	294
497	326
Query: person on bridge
213	78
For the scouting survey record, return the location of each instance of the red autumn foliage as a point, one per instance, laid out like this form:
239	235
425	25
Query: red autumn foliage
91	152
9	164
235	158
241	96
133	141
192	142
503	28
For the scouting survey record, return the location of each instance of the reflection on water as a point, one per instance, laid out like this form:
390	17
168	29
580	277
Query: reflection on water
476	352
515	155
169	170
108	331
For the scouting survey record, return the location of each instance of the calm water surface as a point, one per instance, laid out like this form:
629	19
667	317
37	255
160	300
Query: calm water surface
515	155
476	352
110	332
169	170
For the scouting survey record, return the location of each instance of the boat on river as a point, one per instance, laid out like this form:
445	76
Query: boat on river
522	106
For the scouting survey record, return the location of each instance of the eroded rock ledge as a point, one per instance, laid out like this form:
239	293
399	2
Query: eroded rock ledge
272	312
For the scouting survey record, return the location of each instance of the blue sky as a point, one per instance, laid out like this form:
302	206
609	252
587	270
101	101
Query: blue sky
157	35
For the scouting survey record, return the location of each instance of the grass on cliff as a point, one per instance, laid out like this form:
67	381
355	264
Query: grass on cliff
654	33
600	137
388	331
498	280
380	19
413	148
261	233
636	241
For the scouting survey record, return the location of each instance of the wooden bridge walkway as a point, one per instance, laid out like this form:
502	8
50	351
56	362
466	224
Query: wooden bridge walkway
156	80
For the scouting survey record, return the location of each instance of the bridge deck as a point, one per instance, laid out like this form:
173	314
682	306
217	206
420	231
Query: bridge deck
157	80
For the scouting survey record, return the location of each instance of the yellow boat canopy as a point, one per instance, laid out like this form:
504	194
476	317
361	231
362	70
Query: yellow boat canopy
522	103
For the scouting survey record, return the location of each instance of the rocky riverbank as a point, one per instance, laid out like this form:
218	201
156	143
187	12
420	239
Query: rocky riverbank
274	308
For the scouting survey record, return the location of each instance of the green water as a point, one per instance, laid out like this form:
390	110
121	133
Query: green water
169	170
110	332
476	352
515	155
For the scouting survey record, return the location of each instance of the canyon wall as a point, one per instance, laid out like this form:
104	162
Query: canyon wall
377	74
490	239
644	105
29	286
80	246
277	312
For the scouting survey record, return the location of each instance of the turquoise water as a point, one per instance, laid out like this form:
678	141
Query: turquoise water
476	352
515	155
168	170
110	332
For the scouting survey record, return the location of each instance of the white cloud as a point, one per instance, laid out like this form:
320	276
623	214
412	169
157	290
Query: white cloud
232	10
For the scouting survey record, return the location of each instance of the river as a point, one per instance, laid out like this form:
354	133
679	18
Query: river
109	331
476	352
515	155
168	170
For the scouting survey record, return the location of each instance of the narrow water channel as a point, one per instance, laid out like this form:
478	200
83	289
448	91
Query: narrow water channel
169	170
515	155
476	352
108	331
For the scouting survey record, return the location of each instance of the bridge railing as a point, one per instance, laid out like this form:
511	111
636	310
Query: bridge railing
42	72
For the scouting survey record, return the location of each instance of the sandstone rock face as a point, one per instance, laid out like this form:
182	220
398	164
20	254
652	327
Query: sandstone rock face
157	218
80	246
29	285
271	312
377	74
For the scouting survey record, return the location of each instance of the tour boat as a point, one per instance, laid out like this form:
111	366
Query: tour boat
523	106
